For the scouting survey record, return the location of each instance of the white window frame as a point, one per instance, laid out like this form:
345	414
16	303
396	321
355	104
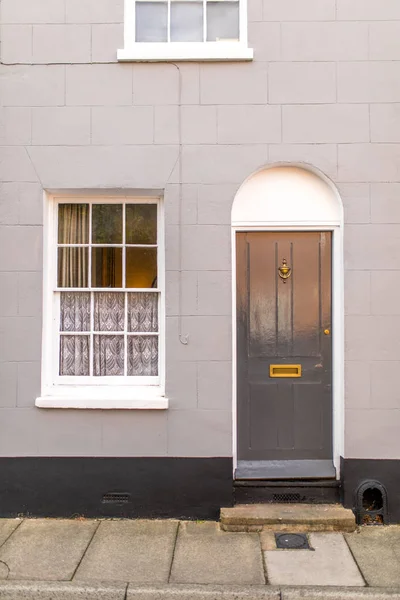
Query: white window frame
123	392
183	51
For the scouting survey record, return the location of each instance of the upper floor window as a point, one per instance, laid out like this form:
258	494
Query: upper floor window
104	300
186	21
185	30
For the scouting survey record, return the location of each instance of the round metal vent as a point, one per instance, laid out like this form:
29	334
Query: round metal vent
292	541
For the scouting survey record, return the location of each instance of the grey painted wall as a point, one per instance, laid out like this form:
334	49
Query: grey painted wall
324	88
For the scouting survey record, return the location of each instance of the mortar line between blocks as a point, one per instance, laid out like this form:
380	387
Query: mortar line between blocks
355	561
173	551
85	551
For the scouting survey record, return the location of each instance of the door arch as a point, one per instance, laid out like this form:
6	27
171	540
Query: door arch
294	198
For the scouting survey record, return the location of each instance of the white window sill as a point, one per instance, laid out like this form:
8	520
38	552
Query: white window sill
186	51
104	402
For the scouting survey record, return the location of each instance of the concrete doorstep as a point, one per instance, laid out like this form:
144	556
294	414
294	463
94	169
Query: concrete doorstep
67	590
289	517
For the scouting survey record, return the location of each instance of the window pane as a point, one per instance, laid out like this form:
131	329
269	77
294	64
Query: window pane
73	223
75	311
151	21
109	311
74	355
108	355
222	21
107	223
141	267
72	267
142	312
186	21
107	267
141	224
143	355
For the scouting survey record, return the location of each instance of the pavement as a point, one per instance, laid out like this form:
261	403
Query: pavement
59	559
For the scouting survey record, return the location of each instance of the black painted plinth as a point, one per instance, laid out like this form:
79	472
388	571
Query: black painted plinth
188	488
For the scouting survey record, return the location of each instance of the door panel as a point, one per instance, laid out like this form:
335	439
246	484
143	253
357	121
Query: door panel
307	401
263	409
283	322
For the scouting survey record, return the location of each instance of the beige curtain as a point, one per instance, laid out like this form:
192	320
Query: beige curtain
73	229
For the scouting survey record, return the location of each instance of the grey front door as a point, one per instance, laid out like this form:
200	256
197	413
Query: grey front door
284	347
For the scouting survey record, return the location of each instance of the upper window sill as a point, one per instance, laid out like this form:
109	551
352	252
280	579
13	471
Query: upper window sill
182	51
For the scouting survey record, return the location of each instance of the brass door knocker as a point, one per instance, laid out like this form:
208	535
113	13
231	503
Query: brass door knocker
284	271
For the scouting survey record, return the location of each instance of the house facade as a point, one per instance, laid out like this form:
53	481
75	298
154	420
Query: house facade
200	237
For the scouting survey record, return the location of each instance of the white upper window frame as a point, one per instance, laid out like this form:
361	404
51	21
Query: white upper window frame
183	51
105	392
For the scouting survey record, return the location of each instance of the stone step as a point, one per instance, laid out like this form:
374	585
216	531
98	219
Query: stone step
287	517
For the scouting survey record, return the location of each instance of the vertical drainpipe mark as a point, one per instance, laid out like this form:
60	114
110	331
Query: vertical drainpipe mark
183	338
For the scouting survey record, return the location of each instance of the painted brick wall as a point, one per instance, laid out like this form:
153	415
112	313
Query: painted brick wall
324	88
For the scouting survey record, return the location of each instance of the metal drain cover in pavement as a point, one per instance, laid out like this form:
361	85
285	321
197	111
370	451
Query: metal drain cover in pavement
292	541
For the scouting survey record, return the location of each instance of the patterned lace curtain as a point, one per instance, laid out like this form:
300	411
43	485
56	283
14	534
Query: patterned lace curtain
74	349
108	344
143	318
109	316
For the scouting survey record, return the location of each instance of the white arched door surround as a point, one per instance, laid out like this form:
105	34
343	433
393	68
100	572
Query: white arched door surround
296	197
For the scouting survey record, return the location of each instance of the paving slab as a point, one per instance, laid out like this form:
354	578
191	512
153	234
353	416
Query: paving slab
69	590
377	553
329	564
267	540
293	517
47	549
203	592
7	527
136	551
206	555
339	593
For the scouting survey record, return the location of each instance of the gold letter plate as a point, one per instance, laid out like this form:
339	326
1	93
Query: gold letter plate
285	370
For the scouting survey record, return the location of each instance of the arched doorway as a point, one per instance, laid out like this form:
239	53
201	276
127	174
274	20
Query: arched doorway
287	239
